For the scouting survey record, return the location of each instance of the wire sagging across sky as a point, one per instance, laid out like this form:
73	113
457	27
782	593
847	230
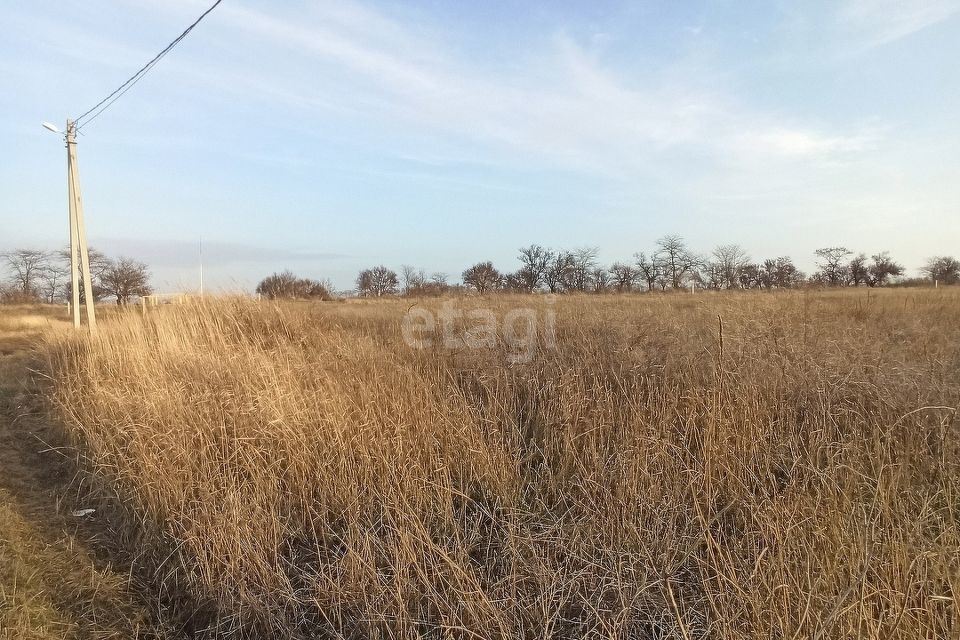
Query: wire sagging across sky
117	93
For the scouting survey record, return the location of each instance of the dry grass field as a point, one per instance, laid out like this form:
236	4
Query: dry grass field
726	466
54	581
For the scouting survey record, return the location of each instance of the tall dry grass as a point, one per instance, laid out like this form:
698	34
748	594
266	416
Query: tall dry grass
299	471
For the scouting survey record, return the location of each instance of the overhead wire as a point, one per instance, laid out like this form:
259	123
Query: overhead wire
117	93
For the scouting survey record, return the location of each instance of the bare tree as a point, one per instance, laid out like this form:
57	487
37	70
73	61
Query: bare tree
557	276
600	279
126	278
942	269
55	280
752	276
857	271
768	273
678	262
648	270
278	285
729	260
714	276
882	269
834	269
27	267
99	263
774	273
785	274
437	285
482	276
413	279
582	269
513	282
624	276
377	282
288	285
536	261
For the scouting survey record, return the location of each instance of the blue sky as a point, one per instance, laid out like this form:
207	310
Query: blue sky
329	136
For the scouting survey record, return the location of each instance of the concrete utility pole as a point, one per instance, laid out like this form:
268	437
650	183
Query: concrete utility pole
79	255
78	236
78	233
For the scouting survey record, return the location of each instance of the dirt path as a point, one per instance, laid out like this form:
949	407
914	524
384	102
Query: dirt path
55	581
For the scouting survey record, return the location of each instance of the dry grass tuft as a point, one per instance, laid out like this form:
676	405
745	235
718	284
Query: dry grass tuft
299	471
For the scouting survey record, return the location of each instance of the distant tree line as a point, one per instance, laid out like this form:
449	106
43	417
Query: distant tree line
35	275
671	264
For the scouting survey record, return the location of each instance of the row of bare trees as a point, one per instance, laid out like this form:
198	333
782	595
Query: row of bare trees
380	281
670	265
942	269
840	267
35	275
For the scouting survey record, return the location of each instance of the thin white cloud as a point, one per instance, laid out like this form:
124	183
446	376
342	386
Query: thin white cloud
872	23
806	143
360	39
560	104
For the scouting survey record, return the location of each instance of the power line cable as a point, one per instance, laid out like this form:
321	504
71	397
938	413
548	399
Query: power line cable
104	104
